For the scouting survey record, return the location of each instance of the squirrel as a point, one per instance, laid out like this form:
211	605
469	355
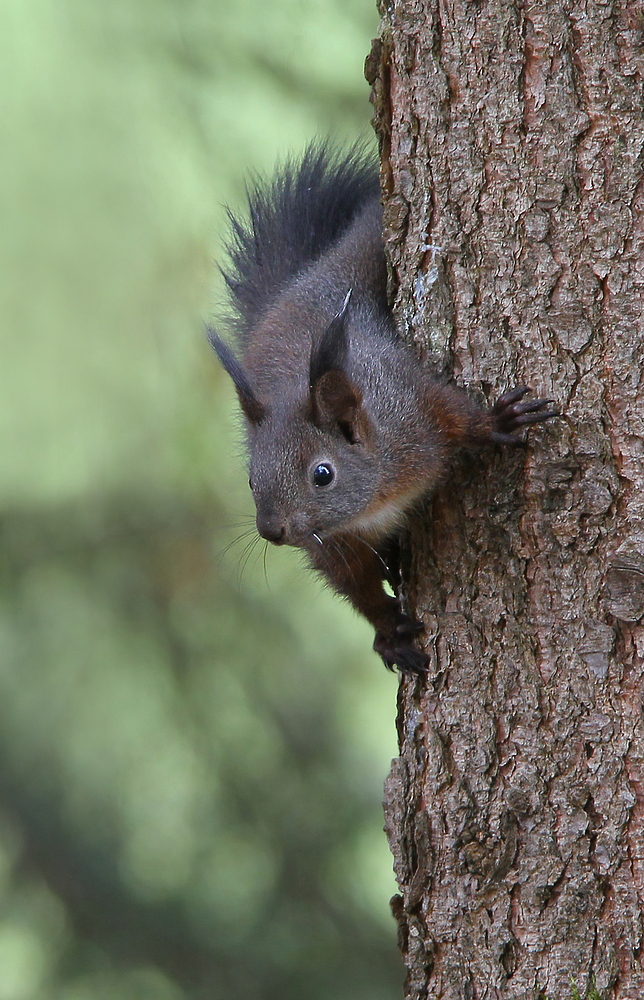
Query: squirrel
347	429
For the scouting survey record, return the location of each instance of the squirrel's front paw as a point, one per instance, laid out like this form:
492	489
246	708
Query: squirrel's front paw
396	648
510	415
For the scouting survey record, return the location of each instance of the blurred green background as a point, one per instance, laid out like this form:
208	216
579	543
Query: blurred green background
193	738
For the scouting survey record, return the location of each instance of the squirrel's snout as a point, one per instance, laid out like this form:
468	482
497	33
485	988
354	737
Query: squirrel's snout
271	529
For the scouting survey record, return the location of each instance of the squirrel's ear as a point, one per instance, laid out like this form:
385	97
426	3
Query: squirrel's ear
337	403
330	352
254	410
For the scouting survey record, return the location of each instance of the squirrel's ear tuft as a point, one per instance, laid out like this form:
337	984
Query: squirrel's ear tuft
330	352
337	405
254	410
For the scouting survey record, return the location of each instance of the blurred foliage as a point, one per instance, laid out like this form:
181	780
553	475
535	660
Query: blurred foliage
192	740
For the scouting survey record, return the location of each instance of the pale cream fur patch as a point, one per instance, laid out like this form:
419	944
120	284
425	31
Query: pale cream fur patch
380	520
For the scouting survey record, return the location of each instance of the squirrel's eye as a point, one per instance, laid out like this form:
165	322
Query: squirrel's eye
250	483
323	475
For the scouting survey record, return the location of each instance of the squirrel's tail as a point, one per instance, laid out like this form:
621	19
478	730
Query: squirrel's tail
292	220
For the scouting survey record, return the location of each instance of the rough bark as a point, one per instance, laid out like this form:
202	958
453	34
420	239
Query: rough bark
512	138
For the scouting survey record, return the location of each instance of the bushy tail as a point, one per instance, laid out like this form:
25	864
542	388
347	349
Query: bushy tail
292	220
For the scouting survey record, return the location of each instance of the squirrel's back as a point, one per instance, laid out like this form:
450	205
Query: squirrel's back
292	221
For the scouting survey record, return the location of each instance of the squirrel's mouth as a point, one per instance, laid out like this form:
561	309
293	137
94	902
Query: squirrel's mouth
284	529
278	534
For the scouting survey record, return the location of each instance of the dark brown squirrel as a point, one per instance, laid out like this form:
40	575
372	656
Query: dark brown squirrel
346	427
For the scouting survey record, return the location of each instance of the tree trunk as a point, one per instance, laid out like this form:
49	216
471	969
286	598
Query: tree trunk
511	138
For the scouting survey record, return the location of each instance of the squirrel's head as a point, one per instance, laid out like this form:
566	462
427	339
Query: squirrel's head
313	467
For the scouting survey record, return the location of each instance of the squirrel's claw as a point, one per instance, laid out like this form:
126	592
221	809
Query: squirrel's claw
408	626
510	397
397	650
510	415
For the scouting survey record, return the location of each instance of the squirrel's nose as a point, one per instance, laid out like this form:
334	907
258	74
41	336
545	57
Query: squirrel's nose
270	529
